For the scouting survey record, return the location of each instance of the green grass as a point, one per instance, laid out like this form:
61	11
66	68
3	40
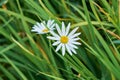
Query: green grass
28	56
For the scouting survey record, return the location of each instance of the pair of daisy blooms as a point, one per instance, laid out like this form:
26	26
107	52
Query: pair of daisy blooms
64	39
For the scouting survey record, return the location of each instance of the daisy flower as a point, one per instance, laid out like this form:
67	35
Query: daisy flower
42	28
65	39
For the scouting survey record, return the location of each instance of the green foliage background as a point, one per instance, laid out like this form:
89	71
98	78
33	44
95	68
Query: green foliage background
28	56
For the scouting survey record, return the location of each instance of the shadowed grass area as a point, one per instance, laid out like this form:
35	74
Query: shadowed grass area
25	55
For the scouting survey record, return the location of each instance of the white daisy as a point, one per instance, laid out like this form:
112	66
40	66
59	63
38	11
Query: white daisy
65	40
42	28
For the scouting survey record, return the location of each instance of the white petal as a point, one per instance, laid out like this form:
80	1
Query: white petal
67	29
43	25
55	35
50	23
73	50
56	43
77	43
75	35
73	46
75	39
68	49
51	29
38	24
40	32
63	49
39	27
63	28
58	48
52	26
72	32
52	38
36	29
43	22
58	29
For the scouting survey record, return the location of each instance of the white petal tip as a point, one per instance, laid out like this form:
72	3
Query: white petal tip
63	54
48	37
56	50
80	43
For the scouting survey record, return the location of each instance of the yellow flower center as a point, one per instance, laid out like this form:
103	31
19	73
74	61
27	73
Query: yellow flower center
64	39
45	30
